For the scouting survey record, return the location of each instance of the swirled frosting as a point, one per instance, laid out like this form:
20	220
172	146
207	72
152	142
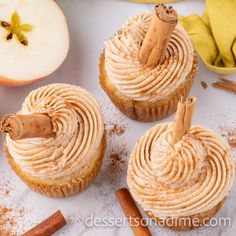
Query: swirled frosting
138	81
78	126
184	179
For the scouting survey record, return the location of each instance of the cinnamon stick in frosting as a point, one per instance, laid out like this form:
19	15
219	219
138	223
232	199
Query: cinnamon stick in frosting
27	126
163	23
183	118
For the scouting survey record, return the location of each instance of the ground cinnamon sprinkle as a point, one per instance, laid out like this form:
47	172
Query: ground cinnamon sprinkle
9	216
22	212
204	84
116	160
5	189
7	192
117	164
230	134
117	152
6	222
116	129
9	219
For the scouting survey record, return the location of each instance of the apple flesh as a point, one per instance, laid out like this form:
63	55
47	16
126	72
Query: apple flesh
47	41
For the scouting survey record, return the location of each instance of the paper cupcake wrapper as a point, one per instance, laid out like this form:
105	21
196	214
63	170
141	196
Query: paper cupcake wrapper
188	223
62	187
146	111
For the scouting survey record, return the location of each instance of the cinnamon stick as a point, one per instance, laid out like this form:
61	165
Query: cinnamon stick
183	118
49	226
27	126
225	84
204	84
153	49
132	213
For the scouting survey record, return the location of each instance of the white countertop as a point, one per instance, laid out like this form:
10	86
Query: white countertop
90	23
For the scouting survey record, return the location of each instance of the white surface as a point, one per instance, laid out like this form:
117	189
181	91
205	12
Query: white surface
90	23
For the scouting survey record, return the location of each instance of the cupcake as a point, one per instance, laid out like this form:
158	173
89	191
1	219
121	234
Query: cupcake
56	142
148	65
179	173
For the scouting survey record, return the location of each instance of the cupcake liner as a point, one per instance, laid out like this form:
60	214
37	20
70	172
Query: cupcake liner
188	223
146	111
62	187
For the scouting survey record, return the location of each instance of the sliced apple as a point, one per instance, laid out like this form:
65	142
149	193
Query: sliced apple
34	40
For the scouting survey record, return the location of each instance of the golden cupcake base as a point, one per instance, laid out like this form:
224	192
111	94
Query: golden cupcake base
146	111
66	186
188	223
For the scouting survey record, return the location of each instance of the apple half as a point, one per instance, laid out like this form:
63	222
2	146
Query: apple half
34	40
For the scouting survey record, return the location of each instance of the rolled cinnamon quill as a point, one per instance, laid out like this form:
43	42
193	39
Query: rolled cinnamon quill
225	84
132	213
163	23
183	118
27	126
49	226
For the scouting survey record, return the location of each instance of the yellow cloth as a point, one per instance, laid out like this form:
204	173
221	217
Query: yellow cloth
154	1
214	35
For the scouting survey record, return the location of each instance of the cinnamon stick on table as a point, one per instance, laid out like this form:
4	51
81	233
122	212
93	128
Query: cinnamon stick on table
183	119
27	126
48	226
225	84
132	213
153	49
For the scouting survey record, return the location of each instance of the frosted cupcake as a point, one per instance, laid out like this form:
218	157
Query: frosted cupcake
148	65
181	174
56	142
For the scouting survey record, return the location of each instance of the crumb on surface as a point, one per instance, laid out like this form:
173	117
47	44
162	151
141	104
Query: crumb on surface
204	84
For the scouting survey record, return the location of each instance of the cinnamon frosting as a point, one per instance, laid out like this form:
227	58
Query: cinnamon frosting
180	180
138	81
78	126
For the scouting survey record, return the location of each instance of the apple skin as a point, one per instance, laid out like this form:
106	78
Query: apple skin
20	83
17	83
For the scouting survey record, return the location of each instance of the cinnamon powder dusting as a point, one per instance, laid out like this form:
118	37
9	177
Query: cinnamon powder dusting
7	223
9	220
9	216
116	129
5	189
117	160
230	134
117	164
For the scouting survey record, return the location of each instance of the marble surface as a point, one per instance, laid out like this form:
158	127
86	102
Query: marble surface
90	23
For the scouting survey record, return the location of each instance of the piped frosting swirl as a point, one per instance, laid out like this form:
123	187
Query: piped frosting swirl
179	180
78	126
138	81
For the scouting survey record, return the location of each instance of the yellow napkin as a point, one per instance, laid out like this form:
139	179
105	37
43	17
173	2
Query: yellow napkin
153	1
214	35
